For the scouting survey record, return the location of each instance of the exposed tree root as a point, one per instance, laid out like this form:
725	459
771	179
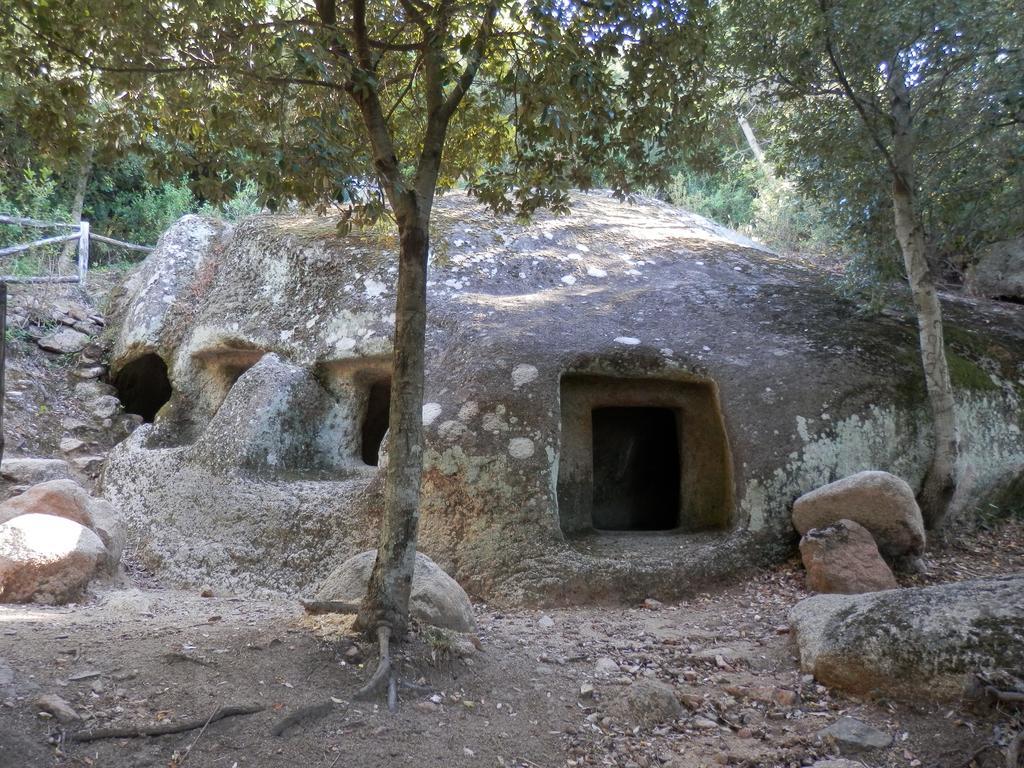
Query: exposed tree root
383	678
314	712
134	731
316	607
1013	751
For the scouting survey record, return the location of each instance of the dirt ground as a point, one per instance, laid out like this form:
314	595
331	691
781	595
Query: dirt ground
141	654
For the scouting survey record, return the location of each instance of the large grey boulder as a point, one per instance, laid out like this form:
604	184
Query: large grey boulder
912	642
269	343
47	559
879	501
436	597
843	558
998	272
67	499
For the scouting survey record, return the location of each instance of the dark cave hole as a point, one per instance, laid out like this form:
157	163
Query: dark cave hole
636	469
143	386
375	422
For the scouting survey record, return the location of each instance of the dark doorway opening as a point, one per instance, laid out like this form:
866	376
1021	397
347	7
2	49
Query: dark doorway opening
375	422
143	386
636	469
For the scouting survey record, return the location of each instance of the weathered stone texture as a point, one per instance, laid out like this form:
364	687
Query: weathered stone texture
913	642
258	472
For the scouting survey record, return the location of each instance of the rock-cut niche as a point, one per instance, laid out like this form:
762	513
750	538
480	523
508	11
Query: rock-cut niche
143	386
642	455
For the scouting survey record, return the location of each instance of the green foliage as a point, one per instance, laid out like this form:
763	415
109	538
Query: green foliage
723	198
245	202
961	64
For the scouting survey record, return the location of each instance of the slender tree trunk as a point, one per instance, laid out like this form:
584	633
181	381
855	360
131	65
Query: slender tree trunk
77	204
387	599
940	481
754	144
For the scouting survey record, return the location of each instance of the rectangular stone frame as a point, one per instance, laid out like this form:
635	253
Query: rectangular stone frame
706	478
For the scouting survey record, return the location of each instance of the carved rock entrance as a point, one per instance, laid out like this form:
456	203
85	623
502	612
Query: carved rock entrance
642	455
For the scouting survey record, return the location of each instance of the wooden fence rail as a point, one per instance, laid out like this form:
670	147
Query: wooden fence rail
81	233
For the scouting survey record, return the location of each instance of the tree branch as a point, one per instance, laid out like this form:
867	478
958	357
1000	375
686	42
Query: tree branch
476	56
850	93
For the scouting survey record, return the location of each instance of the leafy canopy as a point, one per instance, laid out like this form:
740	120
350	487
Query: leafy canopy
823	65
567	94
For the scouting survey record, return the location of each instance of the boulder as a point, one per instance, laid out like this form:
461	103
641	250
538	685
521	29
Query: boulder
879	501
912	642
521	354
64	341
436	597
647	702
998	272
67	499
47	559
32	471
843	558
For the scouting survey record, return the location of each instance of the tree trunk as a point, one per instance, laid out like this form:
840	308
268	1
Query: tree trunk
940	480
387	599
77	204
755	146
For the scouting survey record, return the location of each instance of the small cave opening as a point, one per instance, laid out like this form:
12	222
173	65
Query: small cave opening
143	386
375	420
636	469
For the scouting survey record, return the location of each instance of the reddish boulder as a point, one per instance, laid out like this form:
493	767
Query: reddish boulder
844	558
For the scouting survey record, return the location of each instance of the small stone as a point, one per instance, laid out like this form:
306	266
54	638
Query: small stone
606	667
206	591
586	691
704	723
652	605
88	464
54	705
785	698
647	702
90	372
545	622
69	444
105	406
854	735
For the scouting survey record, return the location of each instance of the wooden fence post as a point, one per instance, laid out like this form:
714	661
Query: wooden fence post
83	252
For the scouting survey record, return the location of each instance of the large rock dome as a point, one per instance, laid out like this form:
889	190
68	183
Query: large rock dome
621	402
